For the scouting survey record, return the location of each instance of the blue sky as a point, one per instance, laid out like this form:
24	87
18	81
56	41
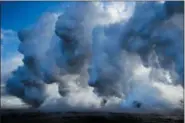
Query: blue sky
18	15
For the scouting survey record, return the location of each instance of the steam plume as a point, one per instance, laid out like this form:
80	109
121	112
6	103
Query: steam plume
107	52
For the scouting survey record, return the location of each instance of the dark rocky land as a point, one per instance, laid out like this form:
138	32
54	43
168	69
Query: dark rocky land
22	116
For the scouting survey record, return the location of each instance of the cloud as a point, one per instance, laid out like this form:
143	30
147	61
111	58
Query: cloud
10	57
12	102
9	65
9	43
8	35
12	63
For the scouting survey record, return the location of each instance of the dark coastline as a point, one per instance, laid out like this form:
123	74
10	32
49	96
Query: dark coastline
25	116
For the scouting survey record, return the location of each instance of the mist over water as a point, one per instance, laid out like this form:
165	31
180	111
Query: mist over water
108	56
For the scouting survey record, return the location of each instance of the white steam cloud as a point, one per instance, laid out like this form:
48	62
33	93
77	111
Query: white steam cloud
103	56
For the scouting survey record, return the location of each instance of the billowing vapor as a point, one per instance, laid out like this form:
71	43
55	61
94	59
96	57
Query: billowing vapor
103	55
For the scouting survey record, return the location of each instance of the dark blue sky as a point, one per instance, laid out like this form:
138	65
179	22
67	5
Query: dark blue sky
18	15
